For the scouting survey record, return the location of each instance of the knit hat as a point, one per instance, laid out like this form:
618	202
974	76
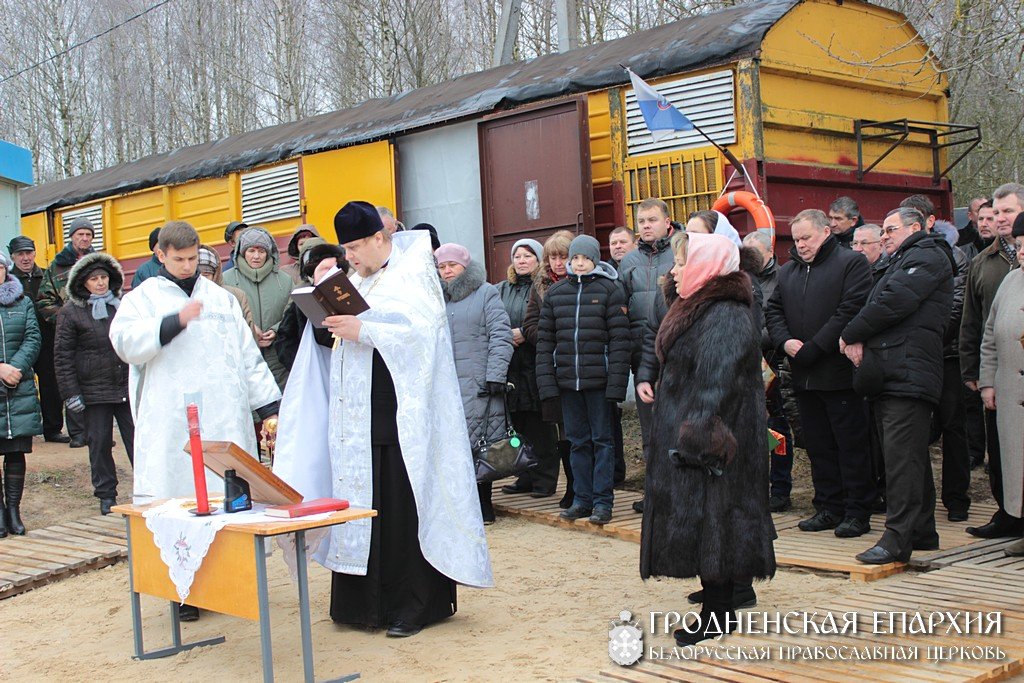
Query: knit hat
255	237
1018	225
356	220
153	237
532	245
233	227
81	223
21	243
452	253
585	245
435	243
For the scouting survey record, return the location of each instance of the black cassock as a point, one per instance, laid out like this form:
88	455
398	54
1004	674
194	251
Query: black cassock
400	585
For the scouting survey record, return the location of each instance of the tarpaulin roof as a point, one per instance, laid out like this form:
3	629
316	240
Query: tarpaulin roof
716	38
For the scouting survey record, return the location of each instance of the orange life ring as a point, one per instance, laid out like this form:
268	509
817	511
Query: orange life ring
758	210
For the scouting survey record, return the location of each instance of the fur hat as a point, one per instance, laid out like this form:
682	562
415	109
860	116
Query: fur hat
585	245
356	220
452	253
312	257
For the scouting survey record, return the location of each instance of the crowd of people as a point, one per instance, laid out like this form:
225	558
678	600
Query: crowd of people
886	338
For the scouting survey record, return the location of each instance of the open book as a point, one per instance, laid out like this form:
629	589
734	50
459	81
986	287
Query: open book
335	295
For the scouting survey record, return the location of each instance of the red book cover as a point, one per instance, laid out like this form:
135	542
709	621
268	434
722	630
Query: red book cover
307	507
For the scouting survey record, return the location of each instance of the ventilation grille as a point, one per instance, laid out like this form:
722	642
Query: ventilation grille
706	100
95	216
271	194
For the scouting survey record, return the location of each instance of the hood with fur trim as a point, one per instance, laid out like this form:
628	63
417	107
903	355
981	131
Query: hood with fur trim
76	291
465	284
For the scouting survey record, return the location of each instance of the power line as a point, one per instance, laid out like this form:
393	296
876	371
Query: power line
86	41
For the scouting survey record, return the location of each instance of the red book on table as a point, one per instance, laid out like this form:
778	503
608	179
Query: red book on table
307	507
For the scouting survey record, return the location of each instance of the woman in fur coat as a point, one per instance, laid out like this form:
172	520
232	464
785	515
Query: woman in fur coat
706	494
482	346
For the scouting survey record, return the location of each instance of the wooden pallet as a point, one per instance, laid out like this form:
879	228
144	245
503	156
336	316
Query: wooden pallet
793	548
960	588
57	552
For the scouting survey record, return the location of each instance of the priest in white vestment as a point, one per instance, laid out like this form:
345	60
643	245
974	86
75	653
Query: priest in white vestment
379	422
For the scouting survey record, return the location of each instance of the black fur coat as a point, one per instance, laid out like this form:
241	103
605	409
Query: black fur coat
710	400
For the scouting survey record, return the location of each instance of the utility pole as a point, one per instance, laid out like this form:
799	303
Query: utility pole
568	31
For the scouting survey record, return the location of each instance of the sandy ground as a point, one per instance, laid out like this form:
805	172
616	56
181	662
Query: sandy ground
547	619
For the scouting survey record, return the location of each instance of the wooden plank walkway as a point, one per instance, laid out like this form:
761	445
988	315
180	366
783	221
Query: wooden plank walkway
57	552
793	548
952	589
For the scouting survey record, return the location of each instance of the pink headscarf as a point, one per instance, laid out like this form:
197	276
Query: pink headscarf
707	257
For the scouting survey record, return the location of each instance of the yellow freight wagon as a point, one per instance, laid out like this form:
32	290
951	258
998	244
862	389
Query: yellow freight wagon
816	99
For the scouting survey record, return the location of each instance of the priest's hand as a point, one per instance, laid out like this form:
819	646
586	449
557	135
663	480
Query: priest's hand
344	326
190	312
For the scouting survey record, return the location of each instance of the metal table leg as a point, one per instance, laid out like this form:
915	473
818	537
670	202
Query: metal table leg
264	605
303	580
176	645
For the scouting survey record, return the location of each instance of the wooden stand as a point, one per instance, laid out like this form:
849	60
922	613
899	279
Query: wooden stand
232	579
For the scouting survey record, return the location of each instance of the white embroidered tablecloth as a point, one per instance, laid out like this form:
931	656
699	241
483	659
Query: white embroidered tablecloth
184	539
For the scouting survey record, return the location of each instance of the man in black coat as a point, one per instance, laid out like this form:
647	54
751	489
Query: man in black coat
896	343
820	290
843	220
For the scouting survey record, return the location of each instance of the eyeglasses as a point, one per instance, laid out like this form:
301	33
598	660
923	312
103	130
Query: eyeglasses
892	228
864	243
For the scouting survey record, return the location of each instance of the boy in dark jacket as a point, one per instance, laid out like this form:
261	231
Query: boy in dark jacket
583	352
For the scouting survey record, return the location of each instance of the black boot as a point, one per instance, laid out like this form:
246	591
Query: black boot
14	481
3	511
486	507
563	451
717	616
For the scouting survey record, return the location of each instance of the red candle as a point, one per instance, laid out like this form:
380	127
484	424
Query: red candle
198	469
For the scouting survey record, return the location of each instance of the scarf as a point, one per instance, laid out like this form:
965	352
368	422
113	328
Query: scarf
1009	249
99	304
707	257
256	275
187	285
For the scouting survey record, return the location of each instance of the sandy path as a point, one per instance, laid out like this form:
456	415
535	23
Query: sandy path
548	619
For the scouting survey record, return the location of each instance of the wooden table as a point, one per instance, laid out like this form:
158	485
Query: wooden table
232	579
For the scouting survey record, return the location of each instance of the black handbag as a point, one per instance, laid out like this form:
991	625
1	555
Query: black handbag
505	457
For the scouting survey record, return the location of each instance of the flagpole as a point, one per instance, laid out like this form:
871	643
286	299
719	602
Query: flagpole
729	156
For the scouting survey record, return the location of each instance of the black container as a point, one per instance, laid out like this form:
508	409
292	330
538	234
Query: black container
236	493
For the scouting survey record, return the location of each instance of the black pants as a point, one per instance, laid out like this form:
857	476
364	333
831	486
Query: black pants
99	426
875	446
974	423
956	461
836	435
49	397
620	449
910	491
541	435
780	468
995	464
399	585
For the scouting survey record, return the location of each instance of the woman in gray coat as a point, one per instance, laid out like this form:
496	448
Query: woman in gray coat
482	345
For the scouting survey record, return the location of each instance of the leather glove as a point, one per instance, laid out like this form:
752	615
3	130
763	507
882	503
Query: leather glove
74	404
493	389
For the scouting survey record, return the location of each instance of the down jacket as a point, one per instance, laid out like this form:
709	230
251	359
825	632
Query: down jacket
903	322
84	358
20	341
710	403
482	346
813	303
55	280
583	336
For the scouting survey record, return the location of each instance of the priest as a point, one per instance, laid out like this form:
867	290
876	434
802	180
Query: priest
383	427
